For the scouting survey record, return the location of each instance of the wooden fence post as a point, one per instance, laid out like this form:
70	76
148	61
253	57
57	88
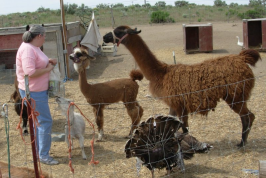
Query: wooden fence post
33	141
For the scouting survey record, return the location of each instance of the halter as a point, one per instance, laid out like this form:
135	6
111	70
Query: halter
75	59
120	39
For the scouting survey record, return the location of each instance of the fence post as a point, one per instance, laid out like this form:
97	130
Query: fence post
262	169
33	141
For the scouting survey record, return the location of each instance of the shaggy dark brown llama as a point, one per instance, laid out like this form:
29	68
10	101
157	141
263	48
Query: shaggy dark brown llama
102	94
195	88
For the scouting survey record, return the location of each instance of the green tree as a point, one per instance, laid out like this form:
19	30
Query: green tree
219	3
254	3
83	11
118	5
233	5
160	4
72	8
146	5
102	6
181	3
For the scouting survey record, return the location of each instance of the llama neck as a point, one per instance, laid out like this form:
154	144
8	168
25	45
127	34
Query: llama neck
71	114
83	84
150	66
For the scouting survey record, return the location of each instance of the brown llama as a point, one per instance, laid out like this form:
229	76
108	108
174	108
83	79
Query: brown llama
195	88
18	172
102	94
16	98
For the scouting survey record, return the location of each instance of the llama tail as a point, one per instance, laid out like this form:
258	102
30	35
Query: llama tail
136	75
251	56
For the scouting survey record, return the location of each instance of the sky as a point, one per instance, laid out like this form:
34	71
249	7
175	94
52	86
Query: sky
13	6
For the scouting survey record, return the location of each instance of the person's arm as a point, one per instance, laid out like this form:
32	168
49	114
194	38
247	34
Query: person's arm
39	72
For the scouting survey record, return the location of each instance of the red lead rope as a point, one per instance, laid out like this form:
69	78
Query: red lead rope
33	115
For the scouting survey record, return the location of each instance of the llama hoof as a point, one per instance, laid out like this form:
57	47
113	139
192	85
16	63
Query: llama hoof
99	140
240	145
25	133
85	158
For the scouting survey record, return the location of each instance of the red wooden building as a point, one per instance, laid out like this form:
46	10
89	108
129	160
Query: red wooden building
11	38
198	38
254	34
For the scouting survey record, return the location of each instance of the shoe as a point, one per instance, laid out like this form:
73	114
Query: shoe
49	161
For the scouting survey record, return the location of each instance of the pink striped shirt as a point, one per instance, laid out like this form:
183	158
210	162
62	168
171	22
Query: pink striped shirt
28	59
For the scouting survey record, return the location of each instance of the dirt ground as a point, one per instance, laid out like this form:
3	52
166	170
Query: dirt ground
221	128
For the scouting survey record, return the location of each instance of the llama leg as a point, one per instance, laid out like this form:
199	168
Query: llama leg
247	119
184	118
72	143
66	136
98	113
81	143
135	111
24	126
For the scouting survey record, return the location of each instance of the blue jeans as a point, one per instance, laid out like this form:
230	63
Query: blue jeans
43	134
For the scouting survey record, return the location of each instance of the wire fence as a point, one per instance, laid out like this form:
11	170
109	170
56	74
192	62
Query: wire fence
221	128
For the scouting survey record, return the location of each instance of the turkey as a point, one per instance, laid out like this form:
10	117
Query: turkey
157	143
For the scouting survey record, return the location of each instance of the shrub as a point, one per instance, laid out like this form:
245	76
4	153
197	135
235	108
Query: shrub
160	17
250	14
231	13
199	19
184	15
197	13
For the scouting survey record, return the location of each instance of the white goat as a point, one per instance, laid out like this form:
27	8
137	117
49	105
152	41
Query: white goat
77	124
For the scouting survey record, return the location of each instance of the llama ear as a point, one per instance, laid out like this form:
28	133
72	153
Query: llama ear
133	31
91	58
27	28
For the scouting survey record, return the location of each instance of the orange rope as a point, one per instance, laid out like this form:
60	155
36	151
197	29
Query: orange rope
33	115
69	138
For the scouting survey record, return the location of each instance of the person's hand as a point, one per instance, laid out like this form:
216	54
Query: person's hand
53	61
50	67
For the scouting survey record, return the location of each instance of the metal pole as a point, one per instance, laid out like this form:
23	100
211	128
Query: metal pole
4	114
189	16
33	141
174	57
113	19
64	38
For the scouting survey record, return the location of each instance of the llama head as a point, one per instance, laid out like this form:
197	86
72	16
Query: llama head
63	105
119	34
81	59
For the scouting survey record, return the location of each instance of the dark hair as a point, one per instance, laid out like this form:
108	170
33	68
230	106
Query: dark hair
34	31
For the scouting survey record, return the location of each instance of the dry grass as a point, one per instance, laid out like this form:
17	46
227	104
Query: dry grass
221	128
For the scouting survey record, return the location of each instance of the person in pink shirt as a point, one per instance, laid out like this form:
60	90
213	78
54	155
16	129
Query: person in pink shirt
31	61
